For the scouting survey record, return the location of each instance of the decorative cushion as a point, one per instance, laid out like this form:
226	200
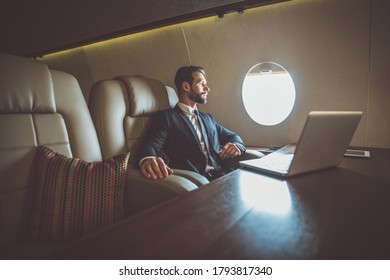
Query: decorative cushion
74	197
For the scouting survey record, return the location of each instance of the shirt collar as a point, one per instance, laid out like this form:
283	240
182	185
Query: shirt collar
186	109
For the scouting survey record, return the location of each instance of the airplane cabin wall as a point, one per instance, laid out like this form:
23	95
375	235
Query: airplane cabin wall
335	50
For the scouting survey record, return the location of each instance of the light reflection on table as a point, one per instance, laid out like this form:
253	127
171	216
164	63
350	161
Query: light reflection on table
267	194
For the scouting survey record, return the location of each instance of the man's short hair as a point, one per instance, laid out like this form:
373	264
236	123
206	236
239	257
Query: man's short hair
184	74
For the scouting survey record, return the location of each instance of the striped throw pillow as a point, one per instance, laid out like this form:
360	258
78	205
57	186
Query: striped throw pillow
74	197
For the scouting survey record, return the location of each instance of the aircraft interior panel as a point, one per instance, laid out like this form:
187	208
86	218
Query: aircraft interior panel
328	47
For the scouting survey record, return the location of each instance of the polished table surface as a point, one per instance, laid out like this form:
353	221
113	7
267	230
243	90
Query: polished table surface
337	213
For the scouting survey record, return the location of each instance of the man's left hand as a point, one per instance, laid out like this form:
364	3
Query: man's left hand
230	150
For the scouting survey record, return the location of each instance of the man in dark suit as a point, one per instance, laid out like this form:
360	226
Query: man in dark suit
186	138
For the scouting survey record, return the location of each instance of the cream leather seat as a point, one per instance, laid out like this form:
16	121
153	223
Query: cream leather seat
121	109
39	106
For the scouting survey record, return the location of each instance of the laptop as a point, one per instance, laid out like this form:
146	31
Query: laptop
324	140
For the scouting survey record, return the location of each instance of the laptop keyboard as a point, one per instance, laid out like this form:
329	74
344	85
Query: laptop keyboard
278	162
288	149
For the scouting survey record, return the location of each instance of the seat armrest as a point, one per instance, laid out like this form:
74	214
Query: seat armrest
194	177
142	193
250	154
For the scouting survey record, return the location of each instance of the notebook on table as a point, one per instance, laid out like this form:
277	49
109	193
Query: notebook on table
324	139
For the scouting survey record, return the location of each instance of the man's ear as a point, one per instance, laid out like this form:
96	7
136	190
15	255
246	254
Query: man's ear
186	86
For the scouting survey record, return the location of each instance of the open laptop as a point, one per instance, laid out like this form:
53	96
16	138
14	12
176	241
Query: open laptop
322	144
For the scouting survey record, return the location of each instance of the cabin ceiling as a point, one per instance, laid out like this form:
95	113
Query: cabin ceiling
34	28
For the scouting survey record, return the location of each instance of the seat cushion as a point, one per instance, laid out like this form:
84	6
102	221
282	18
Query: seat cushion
25	86
146	96
74	197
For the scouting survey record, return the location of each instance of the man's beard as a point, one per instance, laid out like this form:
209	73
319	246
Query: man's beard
197	98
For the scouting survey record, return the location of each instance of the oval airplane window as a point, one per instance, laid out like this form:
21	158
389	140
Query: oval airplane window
268	93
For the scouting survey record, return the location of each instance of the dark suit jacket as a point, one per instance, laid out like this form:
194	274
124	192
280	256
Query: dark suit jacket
172	132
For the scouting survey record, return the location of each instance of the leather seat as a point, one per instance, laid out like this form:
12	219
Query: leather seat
40	106
121	109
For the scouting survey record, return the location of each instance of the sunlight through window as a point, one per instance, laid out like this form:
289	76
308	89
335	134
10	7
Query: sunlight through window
268	93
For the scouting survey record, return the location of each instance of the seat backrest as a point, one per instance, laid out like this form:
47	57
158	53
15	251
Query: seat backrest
121	109
38	106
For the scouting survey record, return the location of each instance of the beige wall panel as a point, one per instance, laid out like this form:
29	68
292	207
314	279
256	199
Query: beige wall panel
73	62
156	53
323	44
379	103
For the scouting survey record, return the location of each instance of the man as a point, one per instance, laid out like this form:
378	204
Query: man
186	138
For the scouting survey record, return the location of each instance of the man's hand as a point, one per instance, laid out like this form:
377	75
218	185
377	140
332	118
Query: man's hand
229	151
155	168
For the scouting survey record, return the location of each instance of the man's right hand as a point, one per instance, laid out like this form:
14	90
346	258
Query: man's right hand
155	168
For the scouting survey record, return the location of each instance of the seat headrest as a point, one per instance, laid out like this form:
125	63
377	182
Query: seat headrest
25	86
146	96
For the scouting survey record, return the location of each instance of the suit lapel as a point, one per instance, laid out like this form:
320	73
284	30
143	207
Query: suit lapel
206	138
204	131
187	123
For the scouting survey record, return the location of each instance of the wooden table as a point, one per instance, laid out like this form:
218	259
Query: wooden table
338	213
